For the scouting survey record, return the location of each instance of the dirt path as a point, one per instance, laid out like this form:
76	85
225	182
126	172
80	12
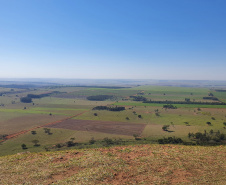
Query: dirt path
10	136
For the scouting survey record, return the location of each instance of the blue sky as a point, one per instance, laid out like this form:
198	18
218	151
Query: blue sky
113	39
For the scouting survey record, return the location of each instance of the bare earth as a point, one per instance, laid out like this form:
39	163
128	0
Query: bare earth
109	127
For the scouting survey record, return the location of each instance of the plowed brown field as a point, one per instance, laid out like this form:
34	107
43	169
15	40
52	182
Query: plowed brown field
110	127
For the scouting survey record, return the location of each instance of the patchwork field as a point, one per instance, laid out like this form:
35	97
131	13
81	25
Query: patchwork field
145	120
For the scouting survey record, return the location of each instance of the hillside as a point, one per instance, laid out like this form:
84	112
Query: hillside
140	164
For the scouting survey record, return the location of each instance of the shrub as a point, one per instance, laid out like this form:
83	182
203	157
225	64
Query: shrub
165	127
108	141
33	132
58	145
170	140
70	143
36	142
24	146
92	141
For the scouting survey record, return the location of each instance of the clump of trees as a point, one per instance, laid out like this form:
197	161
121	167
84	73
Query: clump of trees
138	98
170	140
108	142
26	100
169	106
207	138
99	97
71	142
37	96
109	108
210	98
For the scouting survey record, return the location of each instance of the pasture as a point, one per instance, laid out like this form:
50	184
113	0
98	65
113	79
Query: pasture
143	119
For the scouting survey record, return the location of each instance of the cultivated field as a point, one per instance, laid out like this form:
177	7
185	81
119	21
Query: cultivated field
69	114
101	126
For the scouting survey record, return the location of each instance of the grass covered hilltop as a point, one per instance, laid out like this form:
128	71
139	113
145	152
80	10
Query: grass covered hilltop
139	164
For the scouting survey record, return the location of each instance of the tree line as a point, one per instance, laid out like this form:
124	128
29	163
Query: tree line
28	98
109	108
185	102
99	97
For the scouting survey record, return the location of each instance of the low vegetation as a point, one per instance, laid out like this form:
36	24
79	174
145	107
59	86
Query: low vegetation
147	164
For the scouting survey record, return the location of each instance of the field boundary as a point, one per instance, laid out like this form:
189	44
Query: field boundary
11	136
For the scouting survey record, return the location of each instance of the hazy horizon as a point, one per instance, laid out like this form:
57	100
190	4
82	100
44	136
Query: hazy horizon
98	39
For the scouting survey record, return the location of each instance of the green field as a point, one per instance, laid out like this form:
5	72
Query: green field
16	116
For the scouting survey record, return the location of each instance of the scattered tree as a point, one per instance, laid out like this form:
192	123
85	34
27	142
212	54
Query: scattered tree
24	146
47	130
33	132
36	142
165	127
157	114
58	145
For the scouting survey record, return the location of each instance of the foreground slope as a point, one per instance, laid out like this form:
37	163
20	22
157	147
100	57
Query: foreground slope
140	164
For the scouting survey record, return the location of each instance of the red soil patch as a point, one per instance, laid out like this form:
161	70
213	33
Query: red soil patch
110	127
